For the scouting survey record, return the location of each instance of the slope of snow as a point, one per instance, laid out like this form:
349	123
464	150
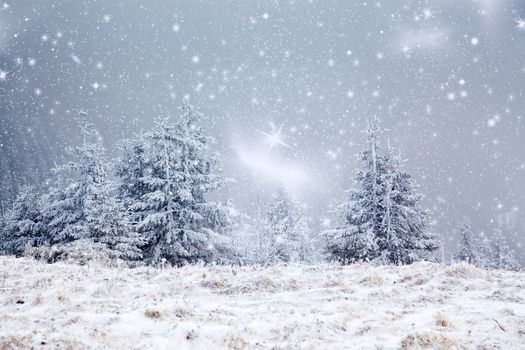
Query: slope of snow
281	307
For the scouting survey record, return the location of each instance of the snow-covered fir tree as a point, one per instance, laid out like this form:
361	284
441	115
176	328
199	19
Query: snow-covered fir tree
82	217
470	247
77	180
356	239
108	224
131	168
383	220
288	229
486	252
22	224
173	171
403	236
503	256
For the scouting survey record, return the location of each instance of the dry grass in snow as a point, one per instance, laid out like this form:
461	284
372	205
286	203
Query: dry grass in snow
421	306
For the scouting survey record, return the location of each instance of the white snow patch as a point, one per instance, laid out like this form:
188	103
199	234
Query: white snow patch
421	306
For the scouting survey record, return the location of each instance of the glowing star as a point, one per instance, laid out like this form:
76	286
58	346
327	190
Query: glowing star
325	222
520	23
274	138
427	13
3	75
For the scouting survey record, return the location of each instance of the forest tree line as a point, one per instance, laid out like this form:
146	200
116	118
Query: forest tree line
152	208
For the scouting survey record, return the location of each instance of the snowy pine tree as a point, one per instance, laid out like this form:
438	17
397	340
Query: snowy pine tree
403	237
503	256
173	170
382	217
470	249
356	240
77	180
131	169
81	215
22	225
109	224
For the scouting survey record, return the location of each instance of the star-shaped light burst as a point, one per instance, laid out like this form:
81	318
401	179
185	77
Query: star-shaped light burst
325	222
3	75
427	13
274	138
520	23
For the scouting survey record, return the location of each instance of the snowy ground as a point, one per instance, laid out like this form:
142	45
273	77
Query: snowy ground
282	307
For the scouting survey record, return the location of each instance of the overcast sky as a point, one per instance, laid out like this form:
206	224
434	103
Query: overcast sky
446	78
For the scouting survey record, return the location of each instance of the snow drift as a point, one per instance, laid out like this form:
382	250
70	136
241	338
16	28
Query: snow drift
419	306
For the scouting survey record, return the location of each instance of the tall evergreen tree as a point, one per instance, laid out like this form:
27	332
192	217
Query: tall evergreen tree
81	215
382	217
356	240
22	224
77	180
131	169
174	169
109	224
403	237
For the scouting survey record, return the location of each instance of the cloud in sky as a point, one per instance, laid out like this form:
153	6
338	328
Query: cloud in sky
268	166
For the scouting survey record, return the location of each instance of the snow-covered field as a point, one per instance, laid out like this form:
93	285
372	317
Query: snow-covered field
282	307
